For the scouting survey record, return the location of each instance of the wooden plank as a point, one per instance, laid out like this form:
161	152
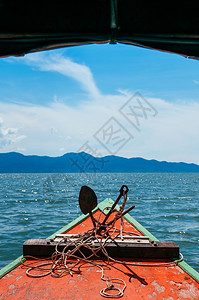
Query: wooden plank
130	249
102	205
183	265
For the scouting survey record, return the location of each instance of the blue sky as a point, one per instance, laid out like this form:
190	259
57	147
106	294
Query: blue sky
82	99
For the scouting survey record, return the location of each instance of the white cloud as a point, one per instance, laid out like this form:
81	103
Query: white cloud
171	135
9	137
65	66
57	126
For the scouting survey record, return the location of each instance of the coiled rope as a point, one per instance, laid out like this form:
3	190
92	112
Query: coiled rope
70	261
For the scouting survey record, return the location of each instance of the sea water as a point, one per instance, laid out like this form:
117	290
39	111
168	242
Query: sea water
37	205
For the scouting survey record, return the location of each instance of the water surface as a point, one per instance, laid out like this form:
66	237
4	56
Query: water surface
37	205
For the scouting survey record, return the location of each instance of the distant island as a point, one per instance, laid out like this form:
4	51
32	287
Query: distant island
82	162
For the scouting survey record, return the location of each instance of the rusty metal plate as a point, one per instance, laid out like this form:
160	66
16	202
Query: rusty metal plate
87	199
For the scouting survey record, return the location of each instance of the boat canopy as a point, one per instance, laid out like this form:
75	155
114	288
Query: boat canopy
30	26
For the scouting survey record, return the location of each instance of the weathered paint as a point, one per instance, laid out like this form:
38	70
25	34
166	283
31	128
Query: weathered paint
143	282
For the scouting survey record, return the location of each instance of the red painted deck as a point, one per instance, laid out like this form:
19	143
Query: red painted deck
143	282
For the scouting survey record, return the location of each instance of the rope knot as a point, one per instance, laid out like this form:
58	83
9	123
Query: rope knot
110	287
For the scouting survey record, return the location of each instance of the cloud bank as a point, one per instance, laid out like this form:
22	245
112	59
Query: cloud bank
171	134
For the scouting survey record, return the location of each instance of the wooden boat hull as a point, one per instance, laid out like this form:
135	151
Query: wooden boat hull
144	278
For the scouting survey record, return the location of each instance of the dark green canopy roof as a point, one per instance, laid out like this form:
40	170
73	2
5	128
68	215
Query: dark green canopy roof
29	26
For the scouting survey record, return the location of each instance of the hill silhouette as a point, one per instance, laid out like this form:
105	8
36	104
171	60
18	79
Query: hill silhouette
14	162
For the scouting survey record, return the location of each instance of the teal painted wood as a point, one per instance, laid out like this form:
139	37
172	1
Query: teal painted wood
127	217
186	267
15	263
139	227
75	222
103	207
70	225
189	270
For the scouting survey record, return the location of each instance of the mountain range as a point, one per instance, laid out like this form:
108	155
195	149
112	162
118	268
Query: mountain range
82	162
